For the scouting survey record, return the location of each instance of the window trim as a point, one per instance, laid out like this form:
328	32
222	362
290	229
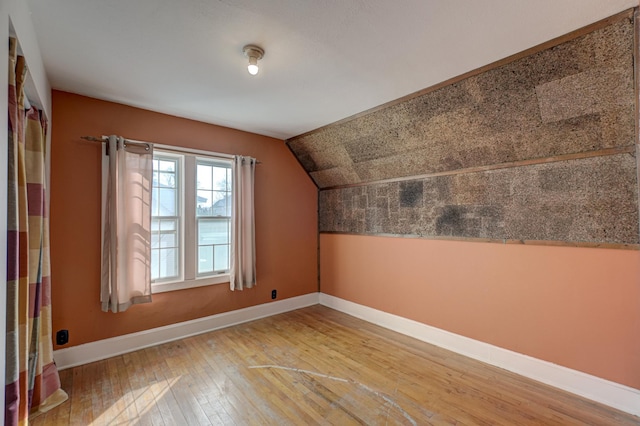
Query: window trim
163	287
189	277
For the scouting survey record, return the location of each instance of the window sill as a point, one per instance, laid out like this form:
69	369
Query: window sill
181	285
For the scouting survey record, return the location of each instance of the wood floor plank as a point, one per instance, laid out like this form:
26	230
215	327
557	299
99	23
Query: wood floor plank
311	366
154	370
81	409
217	398
143	392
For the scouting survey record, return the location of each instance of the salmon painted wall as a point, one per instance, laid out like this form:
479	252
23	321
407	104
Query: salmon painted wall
576	307
286	219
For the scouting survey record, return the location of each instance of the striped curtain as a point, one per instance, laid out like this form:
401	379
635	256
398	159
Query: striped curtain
32	382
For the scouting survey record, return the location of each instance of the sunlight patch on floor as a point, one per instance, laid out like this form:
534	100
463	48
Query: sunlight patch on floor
137	402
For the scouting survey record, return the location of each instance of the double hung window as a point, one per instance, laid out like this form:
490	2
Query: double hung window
166	228
191	220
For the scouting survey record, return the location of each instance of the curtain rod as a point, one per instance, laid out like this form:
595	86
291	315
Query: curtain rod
165	147
147	145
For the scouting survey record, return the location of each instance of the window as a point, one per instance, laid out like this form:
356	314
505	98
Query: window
213	216
165	218
191	220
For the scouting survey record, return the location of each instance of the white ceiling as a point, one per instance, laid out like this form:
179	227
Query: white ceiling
325	59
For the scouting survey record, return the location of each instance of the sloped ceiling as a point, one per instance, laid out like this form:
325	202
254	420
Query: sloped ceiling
325	60
539	149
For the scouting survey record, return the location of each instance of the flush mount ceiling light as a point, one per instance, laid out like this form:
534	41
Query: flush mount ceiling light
254	53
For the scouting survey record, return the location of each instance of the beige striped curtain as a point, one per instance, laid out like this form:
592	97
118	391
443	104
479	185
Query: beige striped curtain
243	233
126	239
32	383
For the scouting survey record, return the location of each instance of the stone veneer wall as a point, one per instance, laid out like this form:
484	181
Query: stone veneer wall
541	148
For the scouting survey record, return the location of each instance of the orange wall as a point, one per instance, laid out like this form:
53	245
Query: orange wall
576	307
286	219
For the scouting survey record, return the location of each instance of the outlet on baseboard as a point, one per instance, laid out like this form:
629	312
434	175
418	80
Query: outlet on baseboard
274	294
62	337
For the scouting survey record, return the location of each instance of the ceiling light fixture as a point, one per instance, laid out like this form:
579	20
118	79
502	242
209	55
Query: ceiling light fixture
254	53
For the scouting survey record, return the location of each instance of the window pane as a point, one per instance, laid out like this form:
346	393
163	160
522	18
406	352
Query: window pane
213	245
168	263
220	178
164	261
167	225
213	231
221	257
166	180
167	165
154	201
203	178
203	203
167	202
155	265
205	259
221	204
168	240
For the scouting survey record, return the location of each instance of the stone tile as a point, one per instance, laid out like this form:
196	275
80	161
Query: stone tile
617	126
333	156
406	164
300	150
334	177
585	200
469	188
411	194
610	44
588	92
371	147
588	194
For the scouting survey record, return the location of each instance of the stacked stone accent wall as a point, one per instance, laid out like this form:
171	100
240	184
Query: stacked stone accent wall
541	148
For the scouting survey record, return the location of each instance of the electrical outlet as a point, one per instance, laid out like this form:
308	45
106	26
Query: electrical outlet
62	337
274	294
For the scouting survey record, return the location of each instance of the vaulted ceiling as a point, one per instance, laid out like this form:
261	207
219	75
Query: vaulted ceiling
325	60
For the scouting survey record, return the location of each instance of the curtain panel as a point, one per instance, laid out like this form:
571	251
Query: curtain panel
32	384
126	239
243	245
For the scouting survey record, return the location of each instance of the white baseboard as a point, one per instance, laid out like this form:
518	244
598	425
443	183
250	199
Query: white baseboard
603	391
613	394
107	348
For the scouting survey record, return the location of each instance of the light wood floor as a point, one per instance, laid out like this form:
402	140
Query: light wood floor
311	366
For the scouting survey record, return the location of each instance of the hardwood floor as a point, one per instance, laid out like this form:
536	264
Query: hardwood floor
311	366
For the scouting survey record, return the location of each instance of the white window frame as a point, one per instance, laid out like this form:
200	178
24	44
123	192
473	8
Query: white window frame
212	162
180	216
189	277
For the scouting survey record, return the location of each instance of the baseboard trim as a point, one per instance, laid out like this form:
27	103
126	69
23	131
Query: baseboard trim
613	394
107	348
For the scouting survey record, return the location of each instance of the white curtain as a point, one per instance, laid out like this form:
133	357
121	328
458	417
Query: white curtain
243	245
126	239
